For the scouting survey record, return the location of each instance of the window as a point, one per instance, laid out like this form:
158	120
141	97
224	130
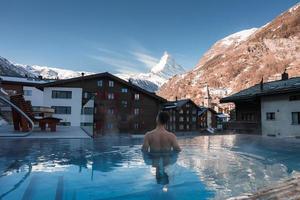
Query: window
88	111
181	127
27	92
88	95
188	112
124	104
109	126
110	83
65	123
295	97
124	90
136	96
270	116
187	105
181	119
187	119
136	111
181	111
110	111
188	127
247	116
194	119
61	94
194	111
100	83
110	96
62	110
295	118
136	125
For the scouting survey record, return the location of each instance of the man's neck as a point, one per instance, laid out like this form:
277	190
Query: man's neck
160	127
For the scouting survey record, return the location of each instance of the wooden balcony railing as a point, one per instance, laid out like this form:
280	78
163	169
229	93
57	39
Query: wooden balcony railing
243	126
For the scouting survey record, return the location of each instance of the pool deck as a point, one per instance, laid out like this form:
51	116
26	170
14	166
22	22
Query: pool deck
62	132
286	189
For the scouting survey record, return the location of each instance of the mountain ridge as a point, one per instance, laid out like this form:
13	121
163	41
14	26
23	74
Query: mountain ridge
151	81
265	53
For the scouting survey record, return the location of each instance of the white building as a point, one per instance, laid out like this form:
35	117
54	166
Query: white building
280	115
271	108
67	102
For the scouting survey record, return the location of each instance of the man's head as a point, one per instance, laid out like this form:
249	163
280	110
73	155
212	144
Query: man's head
162	118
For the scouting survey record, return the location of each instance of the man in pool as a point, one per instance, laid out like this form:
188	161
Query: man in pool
160	140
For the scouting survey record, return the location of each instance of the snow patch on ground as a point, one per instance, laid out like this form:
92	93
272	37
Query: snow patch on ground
238	37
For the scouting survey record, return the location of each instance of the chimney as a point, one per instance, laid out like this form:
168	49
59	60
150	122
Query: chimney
262	84
176	99
284	75
40	77
82	74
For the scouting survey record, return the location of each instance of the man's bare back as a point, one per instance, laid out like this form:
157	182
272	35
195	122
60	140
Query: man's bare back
160	140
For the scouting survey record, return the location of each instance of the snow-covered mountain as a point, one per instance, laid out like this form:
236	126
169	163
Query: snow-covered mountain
159	74
52	72
9	69
151	81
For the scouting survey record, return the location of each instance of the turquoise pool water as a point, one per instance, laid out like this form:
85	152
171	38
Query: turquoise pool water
209	167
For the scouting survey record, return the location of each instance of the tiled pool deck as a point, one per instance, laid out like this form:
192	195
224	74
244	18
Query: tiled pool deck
286	189
61	132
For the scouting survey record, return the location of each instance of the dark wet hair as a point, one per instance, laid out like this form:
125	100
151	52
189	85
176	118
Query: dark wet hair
163	117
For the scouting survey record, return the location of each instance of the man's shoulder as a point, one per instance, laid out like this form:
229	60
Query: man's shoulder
171	134
148	133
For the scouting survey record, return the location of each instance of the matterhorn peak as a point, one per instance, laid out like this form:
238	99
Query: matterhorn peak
167	67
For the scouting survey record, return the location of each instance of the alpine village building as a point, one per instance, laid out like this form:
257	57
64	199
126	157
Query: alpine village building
104	103
118	106
270	109
183	115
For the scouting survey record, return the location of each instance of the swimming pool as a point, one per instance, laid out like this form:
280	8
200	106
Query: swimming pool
209	167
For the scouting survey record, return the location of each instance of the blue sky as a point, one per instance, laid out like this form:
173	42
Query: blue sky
123	35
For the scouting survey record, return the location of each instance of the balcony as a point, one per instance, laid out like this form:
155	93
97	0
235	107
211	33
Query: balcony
248	127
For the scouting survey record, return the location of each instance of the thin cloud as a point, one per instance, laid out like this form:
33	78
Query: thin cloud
120	64
146	59
136	61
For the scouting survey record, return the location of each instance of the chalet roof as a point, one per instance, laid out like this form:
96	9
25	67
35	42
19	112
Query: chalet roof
178	103
205	109
58	83
25	81
266	89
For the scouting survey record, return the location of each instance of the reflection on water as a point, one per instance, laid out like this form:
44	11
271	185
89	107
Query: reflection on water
114	168
160	161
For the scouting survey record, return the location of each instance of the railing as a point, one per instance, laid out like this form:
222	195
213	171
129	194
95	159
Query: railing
243	126
4	98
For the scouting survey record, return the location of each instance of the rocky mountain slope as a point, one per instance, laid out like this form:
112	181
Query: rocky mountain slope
242	60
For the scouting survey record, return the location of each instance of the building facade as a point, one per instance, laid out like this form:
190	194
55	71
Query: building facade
270	109
280	115
207	118
183	115
116	106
